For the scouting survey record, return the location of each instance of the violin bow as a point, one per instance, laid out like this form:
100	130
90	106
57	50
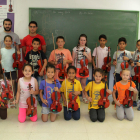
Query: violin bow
15	44
96	55
116	62
54	47
66	94
76	57
46	90
12	88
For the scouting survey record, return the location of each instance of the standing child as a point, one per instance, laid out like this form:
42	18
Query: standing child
32	58
66	88
120	58
77	55
48	87
121	87
7	59
100	52
56	57
136	59
94	87
23	92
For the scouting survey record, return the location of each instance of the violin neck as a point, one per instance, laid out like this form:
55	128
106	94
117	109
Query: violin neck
31	100
105	89
5	80
16	53
73	91
130	86
108	57
62	60
84	61
41	59
56	98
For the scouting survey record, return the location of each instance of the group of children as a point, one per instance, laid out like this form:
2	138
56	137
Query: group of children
43	82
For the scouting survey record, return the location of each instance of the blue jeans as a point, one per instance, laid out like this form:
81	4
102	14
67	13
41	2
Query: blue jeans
68	114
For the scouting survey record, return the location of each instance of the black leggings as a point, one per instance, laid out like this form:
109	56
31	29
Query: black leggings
3	113
97	114
68	114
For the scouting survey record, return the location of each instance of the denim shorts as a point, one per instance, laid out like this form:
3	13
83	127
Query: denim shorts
46	110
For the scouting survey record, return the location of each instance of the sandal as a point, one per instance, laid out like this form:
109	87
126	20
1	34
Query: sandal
85	100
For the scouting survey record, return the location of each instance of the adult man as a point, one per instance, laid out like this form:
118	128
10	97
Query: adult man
7	24
27	40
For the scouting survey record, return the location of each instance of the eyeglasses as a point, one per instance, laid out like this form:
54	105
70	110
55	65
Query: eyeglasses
32	26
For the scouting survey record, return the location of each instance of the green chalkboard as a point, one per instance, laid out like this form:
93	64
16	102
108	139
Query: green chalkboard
70	23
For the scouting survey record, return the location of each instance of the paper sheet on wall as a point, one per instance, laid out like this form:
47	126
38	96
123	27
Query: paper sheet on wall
3	15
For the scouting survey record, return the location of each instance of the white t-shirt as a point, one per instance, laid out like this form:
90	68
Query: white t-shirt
79	55
7	59
101	53
135	56
120	55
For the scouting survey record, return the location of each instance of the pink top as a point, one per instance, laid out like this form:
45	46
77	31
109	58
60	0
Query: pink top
102	53
24	92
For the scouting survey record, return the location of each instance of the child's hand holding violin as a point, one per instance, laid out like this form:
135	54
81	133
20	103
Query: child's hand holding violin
31	91
132	64
45	102
89	99
41	73
125	58
18	52
117	103
85	54
56	89
109	91
138	64
15	102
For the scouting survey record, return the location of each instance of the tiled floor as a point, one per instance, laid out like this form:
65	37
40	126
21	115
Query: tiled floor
84	129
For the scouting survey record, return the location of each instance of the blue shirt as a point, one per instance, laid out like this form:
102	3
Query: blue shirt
49	90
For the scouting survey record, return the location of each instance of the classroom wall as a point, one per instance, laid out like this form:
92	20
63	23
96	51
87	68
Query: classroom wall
22	12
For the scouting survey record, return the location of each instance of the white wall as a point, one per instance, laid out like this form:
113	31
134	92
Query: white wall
22	8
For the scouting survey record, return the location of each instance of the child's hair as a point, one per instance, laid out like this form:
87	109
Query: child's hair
99	70
102	36
27	65
122	39
50	66
126	69
71	67
138	41
1	72
33	22
60	37
9	37
7	19
37	40
82	35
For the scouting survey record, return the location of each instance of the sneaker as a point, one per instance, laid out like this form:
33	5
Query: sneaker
134	104
138	108
113	103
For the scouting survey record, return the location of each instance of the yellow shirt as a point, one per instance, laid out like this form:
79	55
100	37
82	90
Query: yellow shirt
77	87
95	89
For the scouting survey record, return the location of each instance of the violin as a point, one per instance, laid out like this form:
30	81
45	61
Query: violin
62	73
137	72
104	102
124	64
56	105
40	64
17	64
106	61
10	7
128	102
83	70
72	105
31	110
6	93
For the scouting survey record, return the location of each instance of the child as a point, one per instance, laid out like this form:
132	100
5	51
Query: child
48	87
55	56
77	55
32	58
101	52
23	92
94	87
120	58
66	88
121	87
7	59
136	63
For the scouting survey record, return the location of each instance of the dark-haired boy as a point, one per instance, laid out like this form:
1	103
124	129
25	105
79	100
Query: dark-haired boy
101	52
55	56
32	57
27	40
122	43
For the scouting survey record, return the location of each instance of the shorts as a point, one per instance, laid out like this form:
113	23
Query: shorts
79	76
46	110
13	74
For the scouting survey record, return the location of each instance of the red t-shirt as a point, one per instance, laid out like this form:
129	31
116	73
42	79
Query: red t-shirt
27	41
